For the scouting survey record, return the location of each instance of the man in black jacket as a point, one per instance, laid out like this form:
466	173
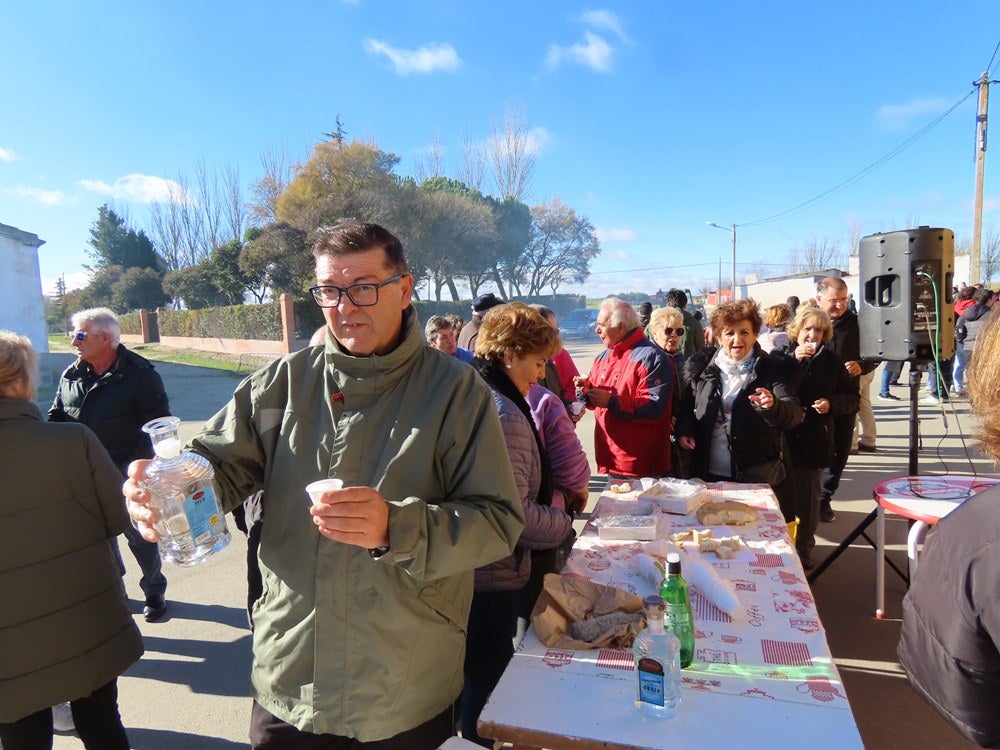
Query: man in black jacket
832	296
115	392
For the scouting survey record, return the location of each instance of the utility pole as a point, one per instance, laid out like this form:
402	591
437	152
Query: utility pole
977	204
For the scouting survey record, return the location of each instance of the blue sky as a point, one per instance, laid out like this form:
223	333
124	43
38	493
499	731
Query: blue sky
650	118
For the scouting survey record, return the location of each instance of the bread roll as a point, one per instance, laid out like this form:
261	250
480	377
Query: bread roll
726	513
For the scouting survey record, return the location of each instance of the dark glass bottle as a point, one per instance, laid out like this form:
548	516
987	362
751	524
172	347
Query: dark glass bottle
678	620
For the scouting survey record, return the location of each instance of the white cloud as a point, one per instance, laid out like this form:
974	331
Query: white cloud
593	52
45	197
77	280
901	116
620	234
140	188
604	19
7	154
423	60
537	139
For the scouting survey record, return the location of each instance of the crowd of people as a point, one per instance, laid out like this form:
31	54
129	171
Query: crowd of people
385	614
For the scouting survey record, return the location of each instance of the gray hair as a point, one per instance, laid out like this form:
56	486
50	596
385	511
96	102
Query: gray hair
18	362
831	283
622	313
436	324
101	320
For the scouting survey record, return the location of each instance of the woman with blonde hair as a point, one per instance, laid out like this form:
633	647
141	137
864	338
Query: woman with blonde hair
824	389
512	346
776	319
66	631
950	642
666	330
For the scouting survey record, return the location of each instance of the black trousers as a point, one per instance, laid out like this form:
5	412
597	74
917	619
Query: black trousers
488	648
843	435
268	732
96	718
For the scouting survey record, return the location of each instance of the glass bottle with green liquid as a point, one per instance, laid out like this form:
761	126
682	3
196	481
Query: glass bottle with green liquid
678	619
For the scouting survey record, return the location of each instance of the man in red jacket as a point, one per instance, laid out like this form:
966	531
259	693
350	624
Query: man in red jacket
630	389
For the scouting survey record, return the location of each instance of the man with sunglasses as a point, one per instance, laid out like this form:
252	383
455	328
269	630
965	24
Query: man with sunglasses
114	392
359	636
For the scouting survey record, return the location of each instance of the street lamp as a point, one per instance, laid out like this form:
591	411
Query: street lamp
730	228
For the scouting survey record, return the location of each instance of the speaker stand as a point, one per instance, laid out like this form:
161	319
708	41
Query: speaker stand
867	521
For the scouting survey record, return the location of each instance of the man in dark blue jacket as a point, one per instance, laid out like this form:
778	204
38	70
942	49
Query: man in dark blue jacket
115	392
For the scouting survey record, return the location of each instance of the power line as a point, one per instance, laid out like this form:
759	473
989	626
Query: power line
990	63
836	189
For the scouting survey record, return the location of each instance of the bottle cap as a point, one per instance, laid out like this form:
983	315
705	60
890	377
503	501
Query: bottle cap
654	604
673	563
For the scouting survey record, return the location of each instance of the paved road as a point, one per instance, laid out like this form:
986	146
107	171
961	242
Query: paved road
189	692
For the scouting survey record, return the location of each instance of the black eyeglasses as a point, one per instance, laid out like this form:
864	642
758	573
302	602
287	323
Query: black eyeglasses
674	331
362	295
77	335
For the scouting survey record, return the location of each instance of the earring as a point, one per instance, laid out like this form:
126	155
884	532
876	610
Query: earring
508	365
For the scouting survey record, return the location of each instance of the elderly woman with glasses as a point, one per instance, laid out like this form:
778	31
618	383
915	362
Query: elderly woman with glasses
737	404
66	631
666	330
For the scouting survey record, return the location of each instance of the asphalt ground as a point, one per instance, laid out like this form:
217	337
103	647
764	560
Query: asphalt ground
190	690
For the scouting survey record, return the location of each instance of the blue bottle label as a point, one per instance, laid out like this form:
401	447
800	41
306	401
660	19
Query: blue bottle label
203	516
650	681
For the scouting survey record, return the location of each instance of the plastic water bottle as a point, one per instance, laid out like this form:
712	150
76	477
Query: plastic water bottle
191	524
657	664
679	620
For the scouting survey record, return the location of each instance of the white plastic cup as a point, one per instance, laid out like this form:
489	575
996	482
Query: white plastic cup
577	408
318	488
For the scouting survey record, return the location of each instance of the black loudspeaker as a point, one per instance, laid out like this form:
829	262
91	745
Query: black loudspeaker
907	308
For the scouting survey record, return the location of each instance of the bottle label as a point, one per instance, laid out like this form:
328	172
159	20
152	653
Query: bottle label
650	681
678	619
203	516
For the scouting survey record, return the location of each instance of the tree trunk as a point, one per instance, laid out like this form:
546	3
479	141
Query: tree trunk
453	289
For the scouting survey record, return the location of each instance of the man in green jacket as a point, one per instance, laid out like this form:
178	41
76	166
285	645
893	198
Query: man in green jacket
360	632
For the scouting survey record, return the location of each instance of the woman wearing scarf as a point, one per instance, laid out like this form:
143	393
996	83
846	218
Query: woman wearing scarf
513	345
737	403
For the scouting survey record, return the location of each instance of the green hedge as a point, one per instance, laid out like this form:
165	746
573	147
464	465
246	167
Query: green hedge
130	323
261	322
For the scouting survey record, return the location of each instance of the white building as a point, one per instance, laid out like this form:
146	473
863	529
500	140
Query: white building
22	307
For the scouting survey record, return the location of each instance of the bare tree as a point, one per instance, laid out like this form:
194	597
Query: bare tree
234	204
432	163
473	162
192	226
512	155
817	255
166	227
277	166
989	255
210	206
854	234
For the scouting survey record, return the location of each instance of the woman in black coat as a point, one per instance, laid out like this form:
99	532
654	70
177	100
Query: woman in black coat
737	403
824	390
